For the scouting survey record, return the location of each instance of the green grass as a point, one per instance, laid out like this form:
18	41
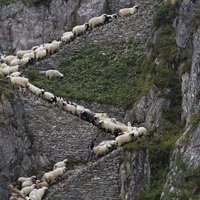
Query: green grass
100	74
6	88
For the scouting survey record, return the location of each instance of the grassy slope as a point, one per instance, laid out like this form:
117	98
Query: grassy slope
100	74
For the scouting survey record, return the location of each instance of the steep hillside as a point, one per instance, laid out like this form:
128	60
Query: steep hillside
143	69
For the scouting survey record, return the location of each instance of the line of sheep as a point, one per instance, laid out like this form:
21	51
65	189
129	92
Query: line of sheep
30	188
12	63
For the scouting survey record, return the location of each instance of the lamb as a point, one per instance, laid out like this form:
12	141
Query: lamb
60	164
35	90
59	101
67	37
20	81
53	74
40	54
14	62
97	21
26	190
37	194
80	29
125	138
70	108
48	96
40	184
53	176
125	12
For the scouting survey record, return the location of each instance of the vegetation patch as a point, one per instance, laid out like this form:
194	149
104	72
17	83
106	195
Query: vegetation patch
101	74
6	88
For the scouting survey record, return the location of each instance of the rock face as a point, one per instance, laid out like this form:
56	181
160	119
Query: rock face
24	26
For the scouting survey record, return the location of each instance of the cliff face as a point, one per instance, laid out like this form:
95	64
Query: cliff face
24	25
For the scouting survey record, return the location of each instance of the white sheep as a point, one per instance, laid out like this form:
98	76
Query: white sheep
20	53
125	12
35	90
40	184
80	109
125	138
20	81
96	21
60	164
59	102
8	59
9	69
70	108
26	190
48	96
99	116
23	179
15	74
37	194
108	125
14	62
52	47
30	55
67	37
40	54
109	143
142	131
80	29
24	61
3	65
53	74
101	150
54	175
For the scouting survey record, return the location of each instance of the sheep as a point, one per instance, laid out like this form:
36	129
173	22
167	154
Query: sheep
96	21
125	12
67	37
9	69
15	61
13	189
48	96
68	107
20	53
8	59
60	164
39	48
25	61
26	190
99	116
52	47
142	131
40	54
88	115
101	150
20	81
109	143
59	101
3	65
15	74
80	29
53	176
110	18
108	125
35	90
40	184
125	138
37	194
80	109
53	74
30	55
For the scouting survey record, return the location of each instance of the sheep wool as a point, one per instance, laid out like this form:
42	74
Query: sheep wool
37	194
60	164
80	29
40	54
35	90
125	12
123	139
20	81
97	21
53	74
67	37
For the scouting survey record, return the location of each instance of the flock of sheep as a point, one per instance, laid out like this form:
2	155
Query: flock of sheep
29	187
